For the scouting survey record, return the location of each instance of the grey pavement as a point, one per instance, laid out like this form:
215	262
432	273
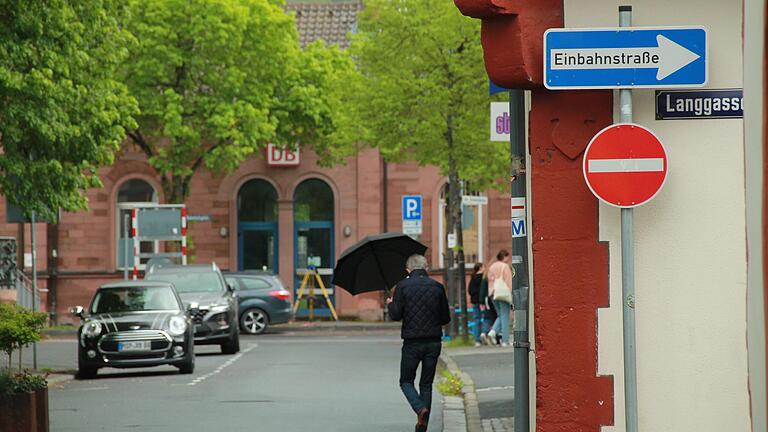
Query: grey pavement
491	370
278	382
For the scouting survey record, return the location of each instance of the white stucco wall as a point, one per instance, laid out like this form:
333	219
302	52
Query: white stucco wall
689	245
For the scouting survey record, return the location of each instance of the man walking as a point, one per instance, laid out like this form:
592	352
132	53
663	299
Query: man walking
420	302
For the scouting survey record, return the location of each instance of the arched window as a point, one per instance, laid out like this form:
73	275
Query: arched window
131	191
257	202
257	226
313	201
472	227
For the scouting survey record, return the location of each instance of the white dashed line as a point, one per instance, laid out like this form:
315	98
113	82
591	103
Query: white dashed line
223	366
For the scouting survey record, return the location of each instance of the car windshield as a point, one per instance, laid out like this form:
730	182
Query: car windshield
131	299
191	281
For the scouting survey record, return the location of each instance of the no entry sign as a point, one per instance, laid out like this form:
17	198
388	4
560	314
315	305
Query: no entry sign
625	165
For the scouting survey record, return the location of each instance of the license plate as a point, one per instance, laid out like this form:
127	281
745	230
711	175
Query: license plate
134	346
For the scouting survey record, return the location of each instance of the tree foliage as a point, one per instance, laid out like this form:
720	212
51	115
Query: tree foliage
217	80
62	112
423	95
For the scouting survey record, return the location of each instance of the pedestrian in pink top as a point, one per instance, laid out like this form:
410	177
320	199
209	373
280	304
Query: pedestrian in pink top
501	301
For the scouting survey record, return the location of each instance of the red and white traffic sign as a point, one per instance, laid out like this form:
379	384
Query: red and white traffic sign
625	165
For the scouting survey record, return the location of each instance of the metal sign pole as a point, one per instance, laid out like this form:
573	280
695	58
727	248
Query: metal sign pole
34	282
520	282
628	270
126	250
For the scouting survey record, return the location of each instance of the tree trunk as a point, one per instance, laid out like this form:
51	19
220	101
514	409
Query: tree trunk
460	281
176	188
455	226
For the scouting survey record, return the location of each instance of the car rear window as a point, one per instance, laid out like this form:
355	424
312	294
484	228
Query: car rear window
190	281
255	283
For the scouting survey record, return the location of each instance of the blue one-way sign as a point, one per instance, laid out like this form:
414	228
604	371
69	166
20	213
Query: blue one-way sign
629	57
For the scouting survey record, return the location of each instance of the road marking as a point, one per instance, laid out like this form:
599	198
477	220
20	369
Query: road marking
487	389
223	366
626	165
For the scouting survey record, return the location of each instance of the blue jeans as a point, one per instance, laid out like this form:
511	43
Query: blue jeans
414	353
501	326
481	323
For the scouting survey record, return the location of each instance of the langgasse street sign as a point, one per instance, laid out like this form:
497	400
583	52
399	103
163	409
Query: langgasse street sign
625	165
699	104
625	57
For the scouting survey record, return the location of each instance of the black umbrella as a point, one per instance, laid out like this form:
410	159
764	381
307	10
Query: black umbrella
375	263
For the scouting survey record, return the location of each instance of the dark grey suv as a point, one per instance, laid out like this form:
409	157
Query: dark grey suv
212	303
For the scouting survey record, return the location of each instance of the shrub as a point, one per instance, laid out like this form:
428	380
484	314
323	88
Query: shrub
19	327
23	382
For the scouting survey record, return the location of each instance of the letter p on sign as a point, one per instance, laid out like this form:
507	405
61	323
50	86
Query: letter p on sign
412	207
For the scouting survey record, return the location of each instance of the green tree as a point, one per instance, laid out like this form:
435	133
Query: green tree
62	113
217	80
423	96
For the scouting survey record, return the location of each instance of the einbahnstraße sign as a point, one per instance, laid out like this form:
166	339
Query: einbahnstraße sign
625	57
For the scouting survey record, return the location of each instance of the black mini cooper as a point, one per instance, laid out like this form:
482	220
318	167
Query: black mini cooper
134	324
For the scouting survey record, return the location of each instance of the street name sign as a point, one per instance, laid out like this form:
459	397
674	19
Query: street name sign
625	57
699	104
625	165
474	200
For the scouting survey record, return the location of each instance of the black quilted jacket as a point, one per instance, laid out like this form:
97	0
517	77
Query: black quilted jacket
421	304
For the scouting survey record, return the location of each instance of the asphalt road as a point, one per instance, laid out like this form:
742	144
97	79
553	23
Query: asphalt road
491	369
309	382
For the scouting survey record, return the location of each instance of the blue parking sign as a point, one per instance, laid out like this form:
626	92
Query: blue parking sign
412	207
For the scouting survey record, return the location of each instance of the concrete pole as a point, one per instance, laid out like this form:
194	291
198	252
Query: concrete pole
628	269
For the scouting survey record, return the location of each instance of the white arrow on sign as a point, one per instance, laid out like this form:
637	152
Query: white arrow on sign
669	57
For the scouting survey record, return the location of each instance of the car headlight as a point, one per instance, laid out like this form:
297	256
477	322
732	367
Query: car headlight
177	326
219	308
92	329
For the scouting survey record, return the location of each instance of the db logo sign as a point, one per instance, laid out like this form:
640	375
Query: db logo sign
277	156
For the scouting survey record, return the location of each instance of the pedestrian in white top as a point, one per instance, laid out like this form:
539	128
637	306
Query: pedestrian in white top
500	289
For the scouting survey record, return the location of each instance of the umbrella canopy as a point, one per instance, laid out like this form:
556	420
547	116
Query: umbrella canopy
375	263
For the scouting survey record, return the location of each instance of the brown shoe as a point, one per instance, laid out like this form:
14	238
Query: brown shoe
422	419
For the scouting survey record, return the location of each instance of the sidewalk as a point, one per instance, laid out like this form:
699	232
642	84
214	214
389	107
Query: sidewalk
488	378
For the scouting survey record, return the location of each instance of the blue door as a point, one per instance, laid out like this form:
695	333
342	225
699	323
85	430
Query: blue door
314	241
257	246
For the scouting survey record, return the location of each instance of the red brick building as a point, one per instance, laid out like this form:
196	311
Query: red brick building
279	217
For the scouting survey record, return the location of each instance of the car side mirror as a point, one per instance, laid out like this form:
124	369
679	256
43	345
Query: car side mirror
193	308
230	288
77	311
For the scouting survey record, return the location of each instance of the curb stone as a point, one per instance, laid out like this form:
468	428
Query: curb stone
470	421
58	380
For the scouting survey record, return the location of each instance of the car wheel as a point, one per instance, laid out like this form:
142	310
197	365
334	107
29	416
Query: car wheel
231	346
188	367
254	321
84	372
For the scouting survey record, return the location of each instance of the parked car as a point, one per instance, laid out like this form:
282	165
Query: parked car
263	300
211	302
134	324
